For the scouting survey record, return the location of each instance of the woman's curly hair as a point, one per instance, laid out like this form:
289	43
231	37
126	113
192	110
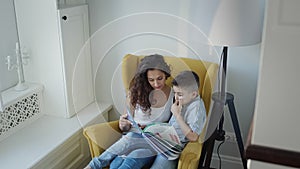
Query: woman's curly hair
139	86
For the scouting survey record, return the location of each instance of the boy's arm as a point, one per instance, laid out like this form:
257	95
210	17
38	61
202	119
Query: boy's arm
186	130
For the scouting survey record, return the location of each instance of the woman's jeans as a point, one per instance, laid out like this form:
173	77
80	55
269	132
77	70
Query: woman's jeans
134	160
136	163
162	163
125	147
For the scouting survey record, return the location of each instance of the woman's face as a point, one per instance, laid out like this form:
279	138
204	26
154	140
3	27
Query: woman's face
156	79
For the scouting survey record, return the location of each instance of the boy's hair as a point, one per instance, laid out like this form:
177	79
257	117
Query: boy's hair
188	80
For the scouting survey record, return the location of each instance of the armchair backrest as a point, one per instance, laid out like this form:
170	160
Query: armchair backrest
206	71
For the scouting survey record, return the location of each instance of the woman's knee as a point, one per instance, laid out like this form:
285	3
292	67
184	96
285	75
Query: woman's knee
116	162
138	159
141	153
162	163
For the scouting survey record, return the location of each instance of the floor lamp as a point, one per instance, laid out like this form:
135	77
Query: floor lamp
234	23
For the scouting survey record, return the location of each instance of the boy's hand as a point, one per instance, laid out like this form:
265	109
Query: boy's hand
124	124
176	108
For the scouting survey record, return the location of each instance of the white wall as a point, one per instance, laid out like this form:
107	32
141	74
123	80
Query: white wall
169	27
278	88
277	114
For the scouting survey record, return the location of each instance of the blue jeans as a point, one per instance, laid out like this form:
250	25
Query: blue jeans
137	163
123	147
134	160
162	163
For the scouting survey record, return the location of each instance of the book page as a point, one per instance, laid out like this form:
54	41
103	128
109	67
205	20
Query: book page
163	131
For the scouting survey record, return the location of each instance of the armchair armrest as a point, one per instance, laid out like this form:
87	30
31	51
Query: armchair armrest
189	158
101	136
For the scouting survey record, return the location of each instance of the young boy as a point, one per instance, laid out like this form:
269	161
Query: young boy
189	113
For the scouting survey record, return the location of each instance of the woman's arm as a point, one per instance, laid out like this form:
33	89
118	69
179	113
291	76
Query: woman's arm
124	124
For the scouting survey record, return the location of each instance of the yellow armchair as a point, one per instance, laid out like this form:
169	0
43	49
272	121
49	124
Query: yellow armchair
101	136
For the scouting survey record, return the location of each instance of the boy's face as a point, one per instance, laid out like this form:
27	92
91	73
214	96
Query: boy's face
183	96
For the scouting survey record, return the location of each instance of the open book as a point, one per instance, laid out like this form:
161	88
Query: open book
162	137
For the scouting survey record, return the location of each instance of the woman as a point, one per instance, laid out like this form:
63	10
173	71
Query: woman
150	100
148	93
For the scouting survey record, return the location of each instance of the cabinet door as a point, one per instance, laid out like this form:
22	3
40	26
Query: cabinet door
75	49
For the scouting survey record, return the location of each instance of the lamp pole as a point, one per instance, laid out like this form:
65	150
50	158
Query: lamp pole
229	102
221	99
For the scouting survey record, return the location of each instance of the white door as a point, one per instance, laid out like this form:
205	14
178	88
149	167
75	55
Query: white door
76	57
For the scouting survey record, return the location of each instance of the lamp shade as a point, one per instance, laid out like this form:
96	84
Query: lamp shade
236	23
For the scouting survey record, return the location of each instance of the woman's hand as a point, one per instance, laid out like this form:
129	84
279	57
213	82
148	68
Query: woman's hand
124	124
